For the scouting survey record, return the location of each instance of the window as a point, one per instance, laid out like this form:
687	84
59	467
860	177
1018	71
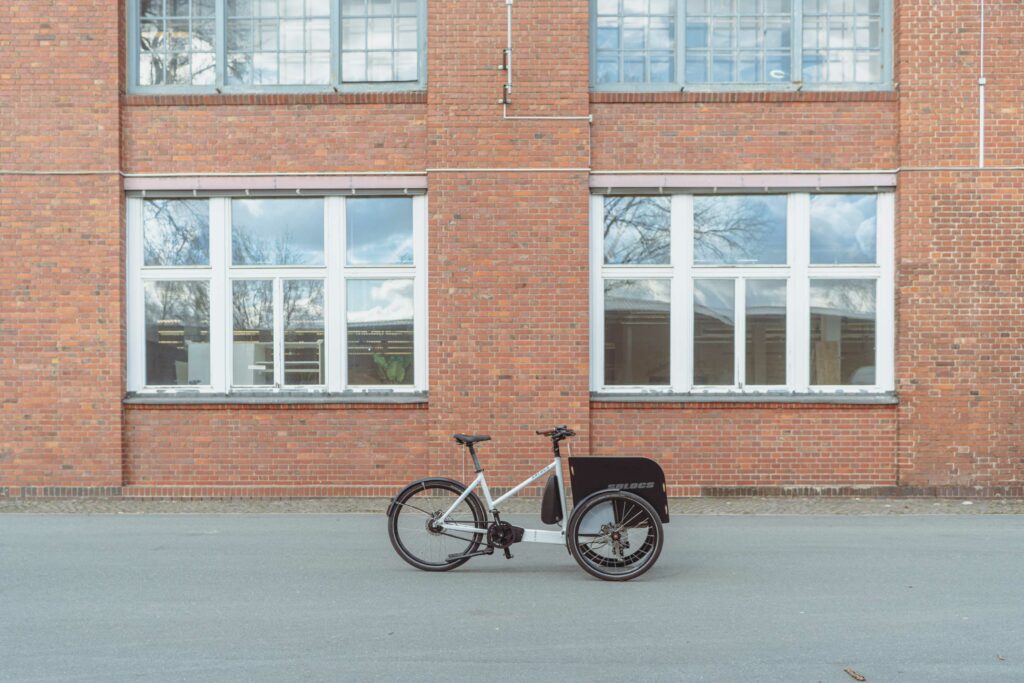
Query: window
740	44
242	294
273	45
742	293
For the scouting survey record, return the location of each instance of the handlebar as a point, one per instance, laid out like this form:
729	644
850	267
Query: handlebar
560	432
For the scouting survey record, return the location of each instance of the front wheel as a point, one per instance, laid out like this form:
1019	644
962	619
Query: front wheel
615	535
415	534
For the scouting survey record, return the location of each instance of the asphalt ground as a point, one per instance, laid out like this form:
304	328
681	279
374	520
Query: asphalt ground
323	597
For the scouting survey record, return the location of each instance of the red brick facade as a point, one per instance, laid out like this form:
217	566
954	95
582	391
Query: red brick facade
508	259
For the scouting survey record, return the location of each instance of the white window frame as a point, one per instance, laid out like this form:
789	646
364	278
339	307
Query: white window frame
221	273
798	273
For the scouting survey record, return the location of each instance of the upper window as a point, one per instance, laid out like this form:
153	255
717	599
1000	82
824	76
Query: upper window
236	294
246	45
740	44
742	293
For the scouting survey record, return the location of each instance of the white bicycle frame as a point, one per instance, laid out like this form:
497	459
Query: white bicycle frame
529	535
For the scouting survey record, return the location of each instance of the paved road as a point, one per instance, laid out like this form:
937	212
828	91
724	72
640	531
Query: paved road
324	597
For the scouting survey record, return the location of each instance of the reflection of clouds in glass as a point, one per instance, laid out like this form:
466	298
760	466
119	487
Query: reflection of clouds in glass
766	296
739	229
843	228
637	295
277	231
715	298
380	301
847	298
379	230
636	229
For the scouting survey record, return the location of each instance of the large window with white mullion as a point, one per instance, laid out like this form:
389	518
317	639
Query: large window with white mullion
243	294
766	293
195	46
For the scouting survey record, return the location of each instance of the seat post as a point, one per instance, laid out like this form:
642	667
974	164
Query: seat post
476	463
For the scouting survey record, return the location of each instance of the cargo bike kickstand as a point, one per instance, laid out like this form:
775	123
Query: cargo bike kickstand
614	531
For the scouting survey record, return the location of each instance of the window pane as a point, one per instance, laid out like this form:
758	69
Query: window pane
177	333
304	332
176	42
379	41
380	332
176	232
252	354
636	332
766	332
739	230
843	228
379	231
278	232
842	41
636	229
288	45
714	332
635	42
842	332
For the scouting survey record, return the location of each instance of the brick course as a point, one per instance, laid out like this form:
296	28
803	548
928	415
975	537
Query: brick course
508	286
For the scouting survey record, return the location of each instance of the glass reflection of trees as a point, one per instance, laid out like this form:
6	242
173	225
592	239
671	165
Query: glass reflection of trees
277	232
177	333
176	42
303	332
176	232
637	230
253	312
739	230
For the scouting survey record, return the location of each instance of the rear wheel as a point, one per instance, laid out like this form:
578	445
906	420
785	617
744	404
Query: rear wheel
414	531
615	535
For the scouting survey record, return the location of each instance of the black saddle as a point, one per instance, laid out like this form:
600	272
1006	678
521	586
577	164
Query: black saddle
467	439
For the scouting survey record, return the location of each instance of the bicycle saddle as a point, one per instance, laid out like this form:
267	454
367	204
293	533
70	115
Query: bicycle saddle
466	439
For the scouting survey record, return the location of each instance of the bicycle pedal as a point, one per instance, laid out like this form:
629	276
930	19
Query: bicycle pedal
508	554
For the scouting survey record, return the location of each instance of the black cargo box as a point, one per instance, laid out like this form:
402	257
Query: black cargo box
641	476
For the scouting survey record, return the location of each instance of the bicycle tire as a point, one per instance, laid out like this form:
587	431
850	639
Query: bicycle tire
442	493
595	550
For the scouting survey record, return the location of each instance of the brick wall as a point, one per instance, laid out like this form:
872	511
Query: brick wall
507	265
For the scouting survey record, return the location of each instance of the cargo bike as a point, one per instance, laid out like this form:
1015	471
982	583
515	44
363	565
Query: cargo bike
614	531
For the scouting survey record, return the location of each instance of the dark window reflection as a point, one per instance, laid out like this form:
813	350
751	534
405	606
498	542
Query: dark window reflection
177	333
304	332
380	332
714	332
739	230
766	332
252	354
636	230
176	232
379	231
636	332
842	332
277	232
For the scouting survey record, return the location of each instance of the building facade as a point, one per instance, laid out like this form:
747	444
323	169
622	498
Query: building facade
288	247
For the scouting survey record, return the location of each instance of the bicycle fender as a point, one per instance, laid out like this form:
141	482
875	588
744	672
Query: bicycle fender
419	483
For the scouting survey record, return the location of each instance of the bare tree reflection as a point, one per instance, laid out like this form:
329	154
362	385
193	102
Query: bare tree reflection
249	249
739	229
636	229
253	305
177	46
177	232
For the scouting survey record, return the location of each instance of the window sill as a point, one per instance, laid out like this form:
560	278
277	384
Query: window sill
234	99
743	96
280	400
695	401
